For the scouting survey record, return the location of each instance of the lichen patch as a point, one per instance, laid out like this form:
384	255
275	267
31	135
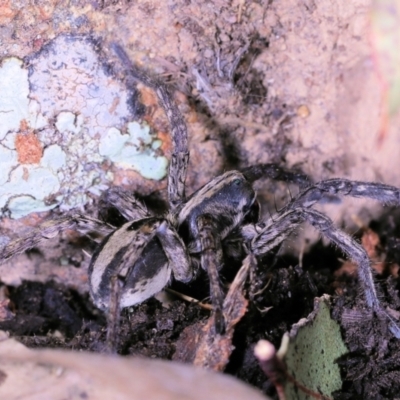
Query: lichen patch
29	148
66	126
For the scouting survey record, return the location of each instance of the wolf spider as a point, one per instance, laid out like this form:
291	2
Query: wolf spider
137	260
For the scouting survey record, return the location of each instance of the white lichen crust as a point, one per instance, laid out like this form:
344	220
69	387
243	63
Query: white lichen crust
79	123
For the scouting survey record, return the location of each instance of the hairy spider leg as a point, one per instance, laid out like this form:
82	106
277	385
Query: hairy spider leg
238	283
113	314
359	255
127	205
180	156
272	231
275	230
385	194
51	228
211	263
277	173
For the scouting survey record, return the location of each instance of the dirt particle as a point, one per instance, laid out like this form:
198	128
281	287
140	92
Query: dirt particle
303	111
114	105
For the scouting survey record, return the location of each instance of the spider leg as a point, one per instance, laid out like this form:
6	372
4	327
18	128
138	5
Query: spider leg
50	229
210	262
274	171
180	155
127	204
358	254
385	194
176	252
237	285
113	315
267	235
272	232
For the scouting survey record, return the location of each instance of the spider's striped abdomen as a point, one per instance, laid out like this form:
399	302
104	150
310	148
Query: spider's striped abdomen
134	255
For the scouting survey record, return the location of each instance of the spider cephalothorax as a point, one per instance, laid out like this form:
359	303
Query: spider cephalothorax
147	251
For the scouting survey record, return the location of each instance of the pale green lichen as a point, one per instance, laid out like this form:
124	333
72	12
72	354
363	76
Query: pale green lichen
112	143
14	90
156	144
134	150
54	158
28	186
69	122
8	159
15	105
149	166
79	127
23	205
139	134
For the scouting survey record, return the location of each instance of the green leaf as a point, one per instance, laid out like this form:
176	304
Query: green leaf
312	346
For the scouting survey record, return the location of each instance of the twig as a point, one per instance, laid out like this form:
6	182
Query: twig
189	299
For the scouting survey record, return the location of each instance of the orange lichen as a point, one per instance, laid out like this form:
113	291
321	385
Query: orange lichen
148	97
29	148
23	126
7	11
166	140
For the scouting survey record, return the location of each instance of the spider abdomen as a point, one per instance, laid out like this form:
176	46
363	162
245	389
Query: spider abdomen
150	275
134	255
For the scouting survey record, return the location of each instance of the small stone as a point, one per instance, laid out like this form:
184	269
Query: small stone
303	111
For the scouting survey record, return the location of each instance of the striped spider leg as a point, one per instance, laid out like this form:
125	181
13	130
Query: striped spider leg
270	232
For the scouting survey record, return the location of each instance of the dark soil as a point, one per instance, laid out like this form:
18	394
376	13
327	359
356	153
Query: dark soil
50	315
